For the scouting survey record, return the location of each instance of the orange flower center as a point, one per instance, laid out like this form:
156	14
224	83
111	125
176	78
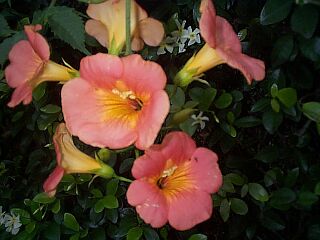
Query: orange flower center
175	179
121	104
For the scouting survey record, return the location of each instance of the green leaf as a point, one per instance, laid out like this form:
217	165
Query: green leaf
275	11
282	50
43	198
177	97
274	90
228	187
110	201
150	234
282	198
198	237
287	96
224	209
7	44
306	198
68	26
234	178
317	189
268	154
260	105
126	165
247	122
52	231
5	30
311	48
135	233
39	92
50	108
312	110
229	129
56	207
275	105
30	227
70	222
258	192
223	101
112	186
244	190
271	121
98	234
291	177
204	97
304	20
238	206
187	126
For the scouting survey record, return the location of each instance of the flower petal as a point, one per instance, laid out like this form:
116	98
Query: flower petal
149	202
205	170
177	146
151	118
207	22
53	180
150	164
97	30
226	38
84	117
189	208
251	68
143	76
37	41
23	94
24	64
151	31
101	70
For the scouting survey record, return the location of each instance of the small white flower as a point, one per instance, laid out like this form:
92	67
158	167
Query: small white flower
180	32
12	223
181	48
199	120
2	214
193	36
166	45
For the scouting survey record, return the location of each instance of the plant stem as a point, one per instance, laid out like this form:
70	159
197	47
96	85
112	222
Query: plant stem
128	25
52	3
123	179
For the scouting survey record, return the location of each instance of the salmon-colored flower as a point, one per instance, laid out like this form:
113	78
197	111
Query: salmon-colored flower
174	183
108	26
71	160
116	101
30	65
222	46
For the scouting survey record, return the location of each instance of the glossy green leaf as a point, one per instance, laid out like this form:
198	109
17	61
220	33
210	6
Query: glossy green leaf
135	233
304	20
306	198
268	154
198	237
70	222
112	186
271	121
239	206
43	198
204	97
224	210
275	105
247	122
275	11
312	110
317	189
258	192
223	101
282	50
50	108
150	234
282	198
287	96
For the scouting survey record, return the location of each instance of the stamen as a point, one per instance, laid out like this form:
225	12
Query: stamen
135	102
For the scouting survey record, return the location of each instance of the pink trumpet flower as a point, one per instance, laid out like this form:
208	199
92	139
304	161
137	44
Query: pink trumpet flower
222	46
173	183
108	26
116	101
71	160
30	65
